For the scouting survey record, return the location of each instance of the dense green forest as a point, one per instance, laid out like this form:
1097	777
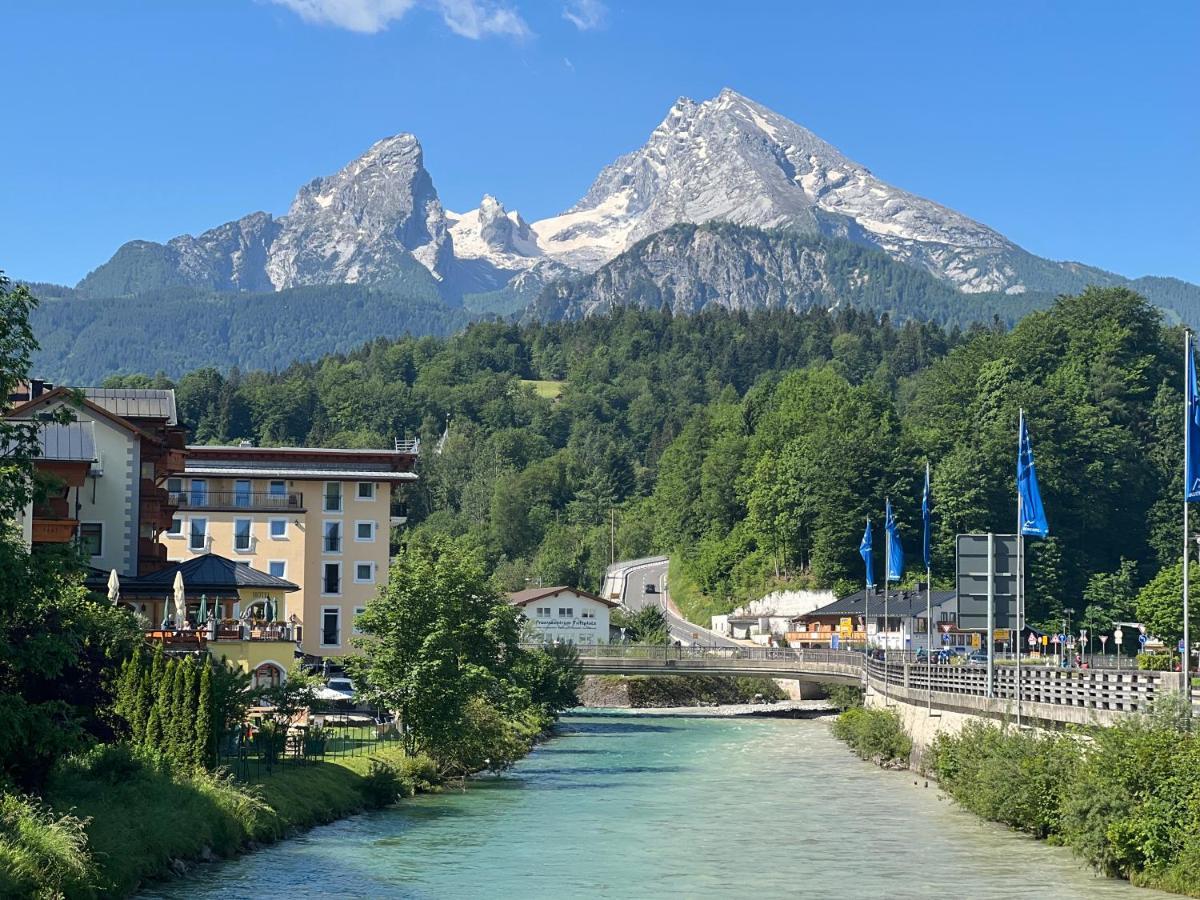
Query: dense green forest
753	446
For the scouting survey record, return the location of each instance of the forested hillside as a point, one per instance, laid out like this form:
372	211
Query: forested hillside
754	445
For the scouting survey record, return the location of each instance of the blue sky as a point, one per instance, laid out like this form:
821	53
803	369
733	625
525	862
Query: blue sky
1071	127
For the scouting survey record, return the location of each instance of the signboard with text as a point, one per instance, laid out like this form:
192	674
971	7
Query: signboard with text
971	552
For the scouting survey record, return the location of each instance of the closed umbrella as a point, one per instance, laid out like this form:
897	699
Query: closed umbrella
202	613
180	601
269	611
114	587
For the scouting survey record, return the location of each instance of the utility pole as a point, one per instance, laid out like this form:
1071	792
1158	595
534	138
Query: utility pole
612	536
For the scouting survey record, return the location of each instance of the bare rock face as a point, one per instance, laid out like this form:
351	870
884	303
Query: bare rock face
361	224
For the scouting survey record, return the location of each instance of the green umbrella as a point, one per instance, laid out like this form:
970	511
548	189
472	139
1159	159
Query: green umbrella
202	613
269	611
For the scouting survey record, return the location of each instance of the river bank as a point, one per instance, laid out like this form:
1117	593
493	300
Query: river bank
1125	799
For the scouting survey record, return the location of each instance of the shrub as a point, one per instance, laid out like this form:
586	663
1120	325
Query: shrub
1015	777
874	734
382	785
1156	662
844	696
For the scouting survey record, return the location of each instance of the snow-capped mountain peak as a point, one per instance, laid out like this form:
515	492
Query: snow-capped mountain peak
732	159
492	233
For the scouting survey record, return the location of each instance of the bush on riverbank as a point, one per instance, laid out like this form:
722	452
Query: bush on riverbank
874	734
655	691
1127	799
113	818
843	696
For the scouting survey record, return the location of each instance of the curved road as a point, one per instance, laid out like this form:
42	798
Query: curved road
627	582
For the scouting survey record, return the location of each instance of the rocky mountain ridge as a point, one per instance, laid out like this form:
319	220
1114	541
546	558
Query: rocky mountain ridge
380	222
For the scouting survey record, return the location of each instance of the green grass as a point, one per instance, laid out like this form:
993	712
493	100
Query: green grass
547	389
695	605
139	815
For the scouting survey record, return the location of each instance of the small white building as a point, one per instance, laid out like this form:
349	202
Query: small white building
565	613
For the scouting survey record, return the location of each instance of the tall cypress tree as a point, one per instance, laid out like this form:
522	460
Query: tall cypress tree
204	747
178	723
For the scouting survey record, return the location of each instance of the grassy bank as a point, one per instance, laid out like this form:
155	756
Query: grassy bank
111	820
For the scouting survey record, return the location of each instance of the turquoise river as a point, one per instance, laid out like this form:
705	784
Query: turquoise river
622	805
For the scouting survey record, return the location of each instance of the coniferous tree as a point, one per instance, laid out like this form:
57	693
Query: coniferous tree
204	745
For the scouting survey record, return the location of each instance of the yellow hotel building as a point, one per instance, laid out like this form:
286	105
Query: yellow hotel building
316	517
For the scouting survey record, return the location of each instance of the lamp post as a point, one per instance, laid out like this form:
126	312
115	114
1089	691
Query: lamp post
1067	631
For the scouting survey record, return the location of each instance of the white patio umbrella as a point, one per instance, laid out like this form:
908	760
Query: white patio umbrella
180	601
114	587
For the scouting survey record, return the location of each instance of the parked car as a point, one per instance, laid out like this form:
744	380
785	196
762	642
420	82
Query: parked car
978	658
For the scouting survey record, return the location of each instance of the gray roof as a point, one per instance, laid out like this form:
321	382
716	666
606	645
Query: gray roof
211	573
136	403
900	603
73	441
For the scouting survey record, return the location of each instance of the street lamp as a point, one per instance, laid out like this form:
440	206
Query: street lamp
1067	631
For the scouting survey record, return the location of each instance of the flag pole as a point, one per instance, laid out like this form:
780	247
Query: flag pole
1020	576
887	577
867	603
928	613
1188	401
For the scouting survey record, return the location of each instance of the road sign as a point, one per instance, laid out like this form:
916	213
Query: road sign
1180	647
1119	636
1103	639
975	639
945	639
1057	639
1142	640
834	641
1000	634
1045	640
972	567
1032	641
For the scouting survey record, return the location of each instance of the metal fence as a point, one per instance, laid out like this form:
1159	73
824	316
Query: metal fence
251	753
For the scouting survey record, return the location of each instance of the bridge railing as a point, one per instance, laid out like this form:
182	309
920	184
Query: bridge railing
757	654
1129	690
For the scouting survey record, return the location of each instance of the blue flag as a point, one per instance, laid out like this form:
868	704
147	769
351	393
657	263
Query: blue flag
926	507
895	551
1033	517
864	550
1191	437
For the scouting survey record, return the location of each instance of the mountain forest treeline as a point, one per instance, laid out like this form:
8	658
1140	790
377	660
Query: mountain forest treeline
753	446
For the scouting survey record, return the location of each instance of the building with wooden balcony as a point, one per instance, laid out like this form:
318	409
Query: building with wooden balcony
65	455
122	505
319	517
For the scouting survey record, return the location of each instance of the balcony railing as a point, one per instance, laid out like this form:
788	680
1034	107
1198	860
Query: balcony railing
235	500
333	544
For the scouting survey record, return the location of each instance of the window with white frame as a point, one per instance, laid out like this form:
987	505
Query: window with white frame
333	496
364	531
587	614
543	612
332	532
566	612
358	611
175	529
198	534
278	529
366	490
277	489
242	539
331	578
331	626
364	572
277	568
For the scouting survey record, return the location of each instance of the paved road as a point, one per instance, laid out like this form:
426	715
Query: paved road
627	582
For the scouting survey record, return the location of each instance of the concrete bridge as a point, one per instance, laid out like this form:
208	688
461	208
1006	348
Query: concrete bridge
1048	695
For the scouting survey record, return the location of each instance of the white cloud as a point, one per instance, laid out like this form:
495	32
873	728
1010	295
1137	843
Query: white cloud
585	14
469	18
